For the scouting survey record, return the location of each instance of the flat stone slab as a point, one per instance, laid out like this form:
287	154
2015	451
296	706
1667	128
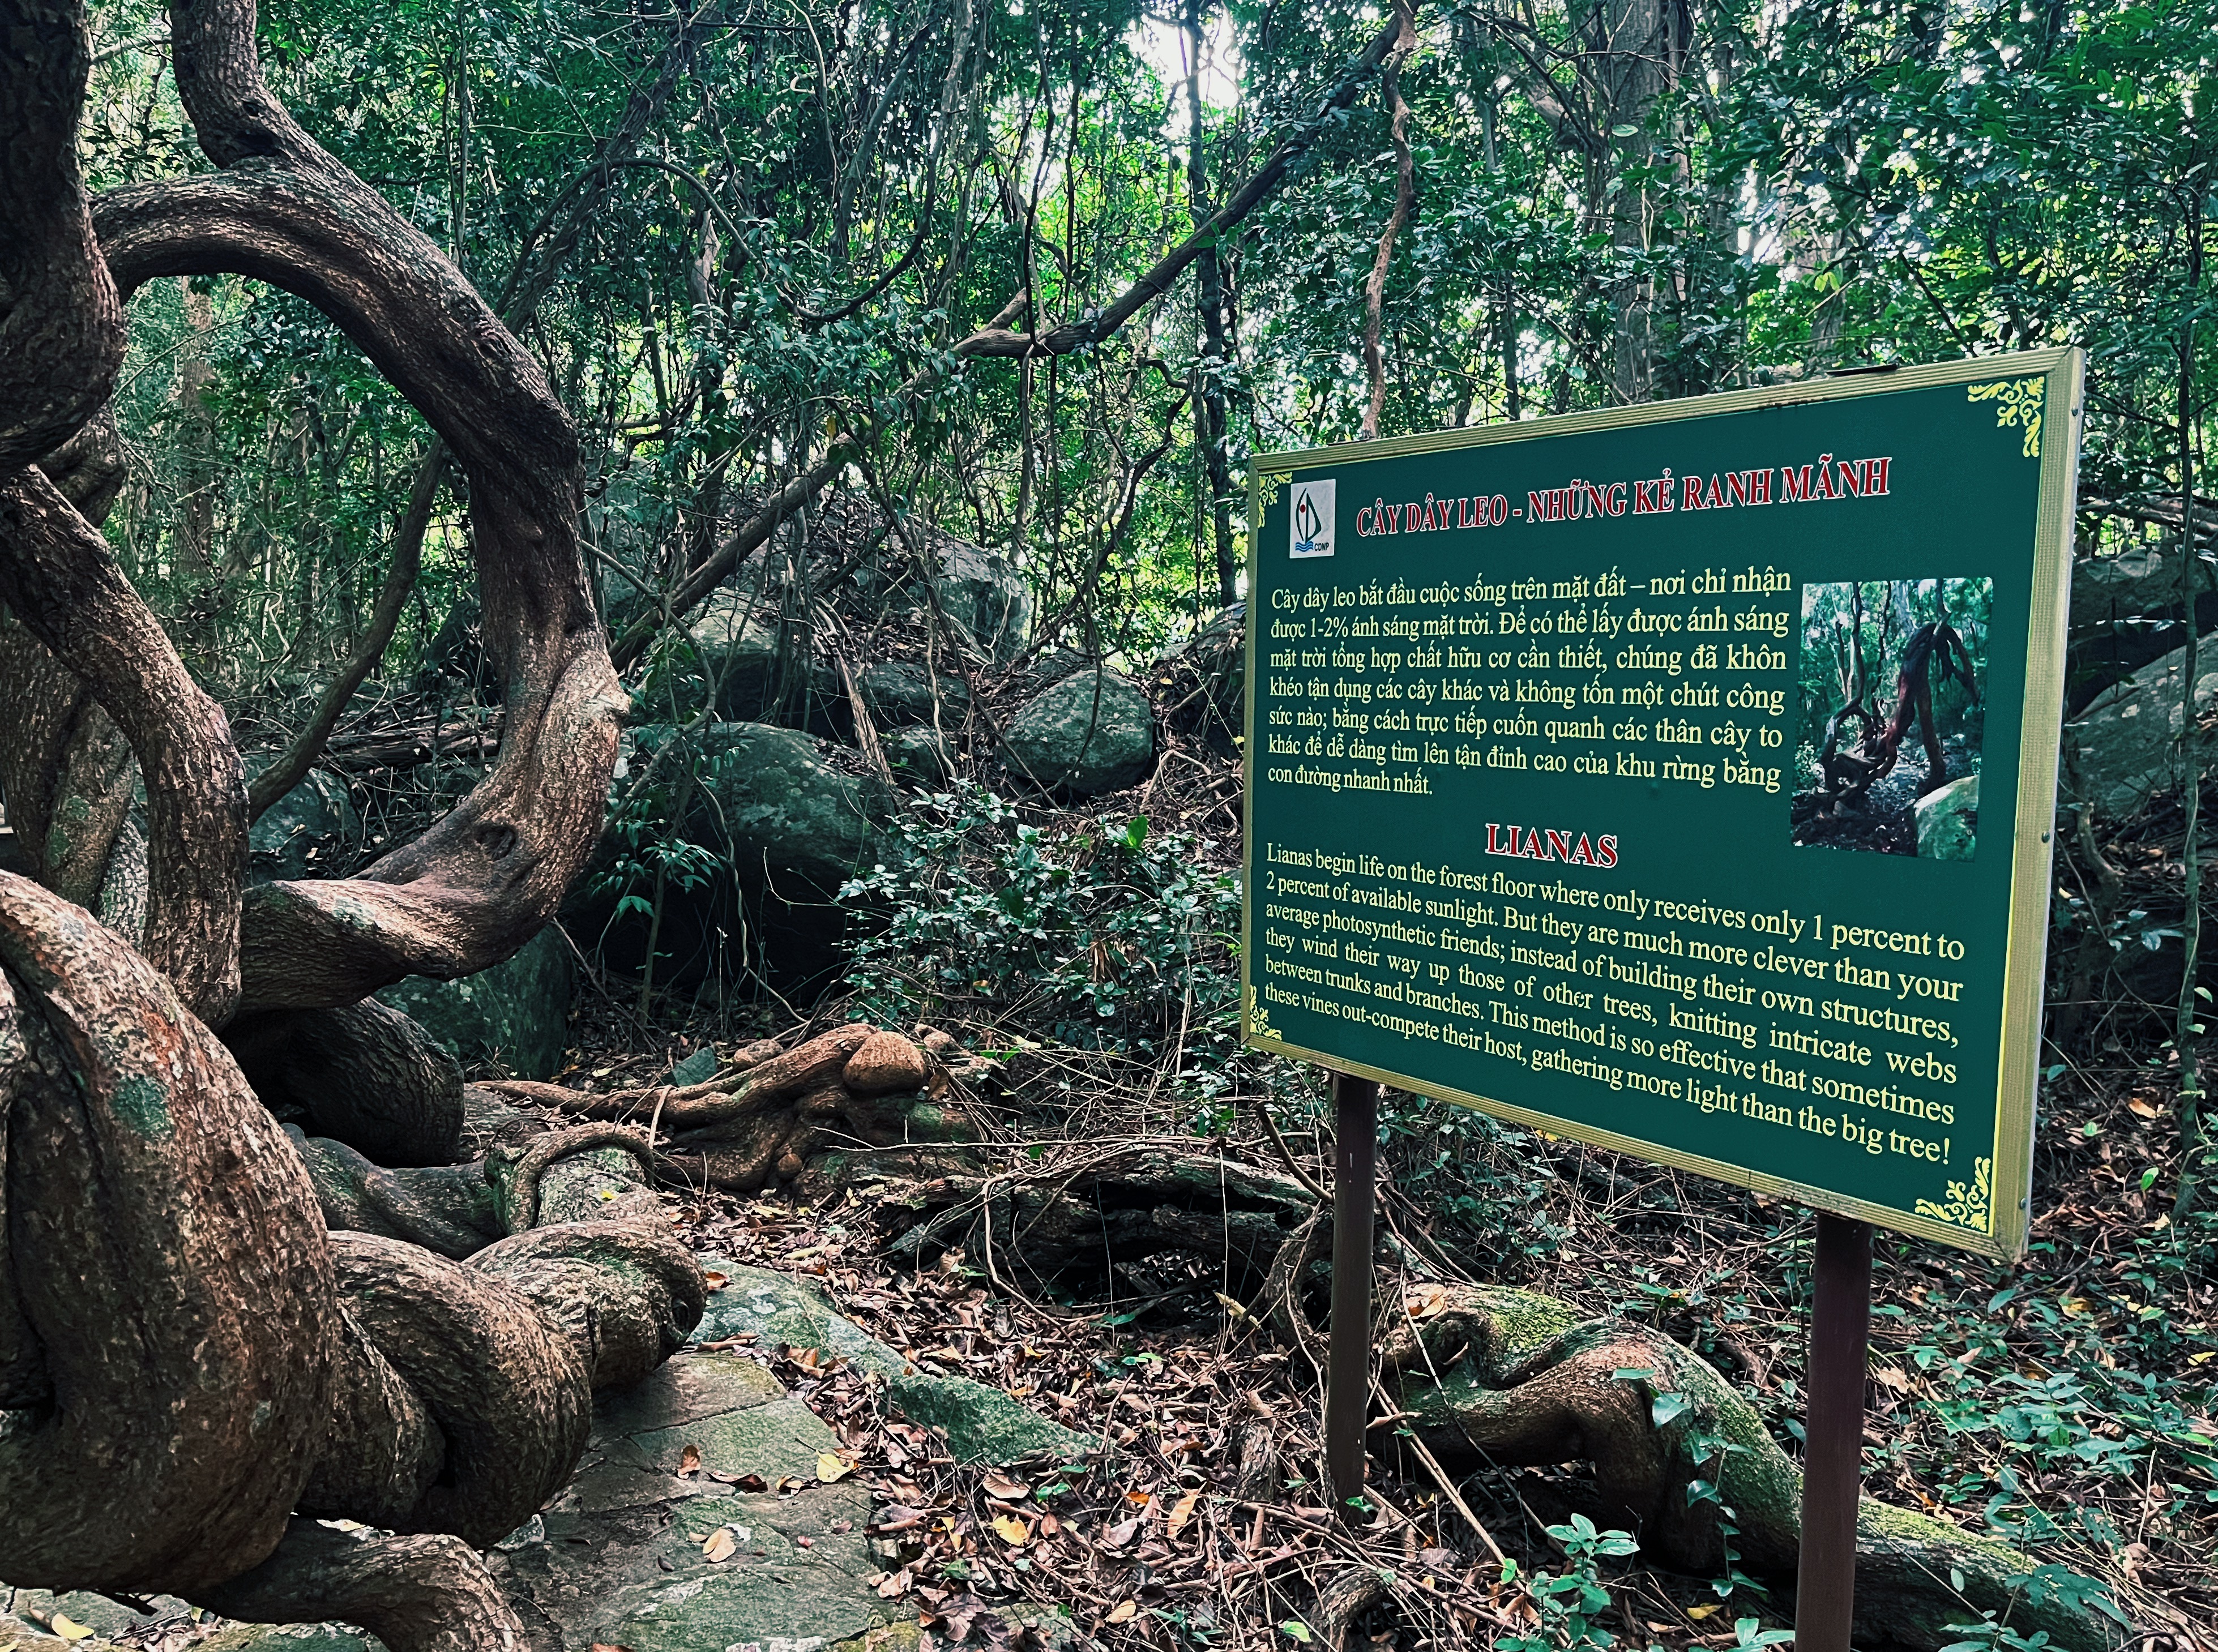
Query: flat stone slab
980	1424
622	1557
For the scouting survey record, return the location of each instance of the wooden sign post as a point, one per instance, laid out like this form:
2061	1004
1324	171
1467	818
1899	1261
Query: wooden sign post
1354	1189
1678	779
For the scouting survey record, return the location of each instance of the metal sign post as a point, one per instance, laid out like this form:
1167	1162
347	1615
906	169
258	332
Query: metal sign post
1833	1427
1354	1187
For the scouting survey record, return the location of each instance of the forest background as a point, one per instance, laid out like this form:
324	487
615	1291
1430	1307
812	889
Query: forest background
766	328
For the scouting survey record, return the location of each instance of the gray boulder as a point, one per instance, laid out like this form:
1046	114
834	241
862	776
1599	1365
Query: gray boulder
1090	733
307	832
920	756
982	592
2114	590
1949	822
739	650
2128	735
513	1015
784	809
899	693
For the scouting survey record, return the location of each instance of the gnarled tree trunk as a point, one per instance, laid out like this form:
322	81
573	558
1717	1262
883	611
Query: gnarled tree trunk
189	1358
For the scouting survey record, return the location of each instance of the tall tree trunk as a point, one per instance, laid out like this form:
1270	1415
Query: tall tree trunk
1638	44
1211	422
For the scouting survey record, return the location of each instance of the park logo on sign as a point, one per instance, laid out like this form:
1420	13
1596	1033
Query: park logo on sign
1310	523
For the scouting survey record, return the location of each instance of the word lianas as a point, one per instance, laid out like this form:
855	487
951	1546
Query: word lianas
1578	500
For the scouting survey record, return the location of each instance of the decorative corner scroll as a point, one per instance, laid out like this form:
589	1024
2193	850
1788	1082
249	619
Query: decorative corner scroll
1258	1019
1972	1207
2017	402
1268	486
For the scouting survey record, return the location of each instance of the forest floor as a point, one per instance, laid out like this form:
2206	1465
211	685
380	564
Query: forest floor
2068	1403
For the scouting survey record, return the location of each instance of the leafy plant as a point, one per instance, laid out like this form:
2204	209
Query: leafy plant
1566	1603
1103	934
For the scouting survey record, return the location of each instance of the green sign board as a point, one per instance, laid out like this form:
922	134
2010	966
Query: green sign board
1680	778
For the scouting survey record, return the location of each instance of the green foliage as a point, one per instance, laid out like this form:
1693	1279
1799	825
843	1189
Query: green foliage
1567	1603
1100	936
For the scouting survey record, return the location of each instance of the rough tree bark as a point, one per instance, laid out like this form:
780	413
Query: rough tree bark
187	1357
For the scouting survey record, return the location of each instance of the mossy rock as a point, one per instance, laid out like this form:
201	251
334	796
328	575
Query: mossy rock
981	1425
514	1016
784	809
899	693
1092	732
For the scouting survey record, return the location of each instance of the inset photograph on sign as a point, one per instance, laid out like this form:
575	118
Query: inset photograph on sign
1891	711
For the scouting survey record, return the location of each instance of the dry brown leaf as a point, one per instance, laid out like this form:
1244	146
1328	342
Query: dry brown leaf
68	1628
715	1281
1124	1611
1181	1511
689	1460
1120	1534
829	1467
720	1545
1007	1491
1012	1530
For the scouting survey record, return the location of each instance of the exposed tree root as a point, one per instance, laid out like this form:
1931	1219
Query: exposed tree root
424	1593
167	1315
176	1328
1488	1376
762	1120
365	1075
1071	1225
1509	1377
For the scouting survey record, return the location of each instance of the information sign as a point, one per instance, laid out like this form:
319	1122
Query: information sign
1680	778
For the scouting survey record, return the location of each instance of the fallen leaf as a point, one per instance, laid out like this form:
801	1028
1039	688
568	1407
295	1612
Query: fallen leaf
603	1646
1012	1530
1181	1511
717	1281
829	1467
896	1583
748	1482
1139	1499
689	1460
1007	1491
720	1545
1119	1534
1124	1611
895	1517
2142	1108
68	1628
1888	1377
1707	1609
